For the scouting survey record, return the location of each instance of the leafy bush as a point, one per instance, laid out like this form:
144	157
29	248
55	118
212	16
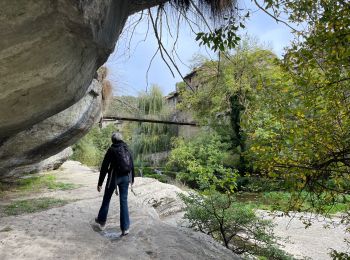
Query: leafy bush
199	163
336	255
151	173
143	170
86	152
161	178
91	149
260	184
234	224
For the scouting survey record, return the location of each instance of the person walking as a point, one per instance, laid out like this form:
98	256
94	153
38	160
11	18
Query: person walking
118	163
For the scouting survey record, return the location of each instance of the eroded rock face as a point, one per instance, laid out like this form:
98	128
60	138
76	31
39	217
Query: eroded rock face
51	163
49	53
52	135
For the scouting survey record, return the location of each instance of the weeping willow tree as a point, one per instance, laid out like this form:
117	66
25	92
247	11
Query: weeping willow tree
149	138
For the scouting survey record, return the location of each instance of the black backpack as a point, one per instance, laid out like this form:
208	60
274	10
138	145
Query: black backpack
123	159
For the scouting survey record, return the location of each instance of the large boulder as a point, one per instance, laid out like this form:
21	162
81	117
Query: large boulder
50	51
49	54
50	136
51	163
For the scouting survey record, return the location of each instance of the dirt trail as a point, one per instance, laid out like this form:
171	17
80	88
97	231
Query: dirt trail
66	232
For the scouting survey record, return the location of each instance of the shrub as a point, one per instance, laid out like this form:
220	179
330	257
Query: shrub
199	163
261	184
150	172
234	224
336	255
86	152
90	150
161	178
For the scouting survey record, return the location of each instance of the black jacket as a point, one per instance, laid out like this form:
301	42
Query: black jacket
109	163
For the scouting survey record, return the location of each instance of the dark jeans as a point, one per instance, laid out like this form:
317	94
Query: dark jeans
123	183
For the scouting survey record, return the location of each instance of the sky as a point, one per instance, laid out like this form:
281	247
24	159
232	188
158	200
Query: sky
128	64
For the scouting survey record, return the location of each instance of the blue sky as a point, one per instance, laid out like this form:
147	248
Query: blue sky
128	64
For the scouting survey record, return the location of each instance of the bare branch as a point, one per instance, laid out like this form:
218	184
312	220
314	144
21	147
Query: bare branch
149	66
161	47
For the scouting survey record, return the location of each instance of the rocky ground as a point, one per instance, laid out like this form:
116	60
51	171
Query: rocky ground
157	230
67	232
313	242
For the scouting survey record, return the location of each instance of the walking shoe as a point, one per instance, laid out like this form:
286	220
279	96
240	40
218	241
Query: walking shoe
100	225
125	232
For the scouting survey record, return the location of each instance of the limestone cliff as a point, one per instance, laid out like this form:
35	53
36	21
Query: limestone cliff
51	135
49	53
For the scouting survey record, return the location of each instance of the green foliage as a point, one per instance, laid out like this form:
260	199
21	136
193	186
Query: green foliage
233	223
296	117
260	184
199	162
298	122
285	201
336	255
225	91
36	184
296	111
143	138
307	202
299	134
151	103
43	182
161	178
151	173
3	187
32	205
86	152
223	38
90	150
150	138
